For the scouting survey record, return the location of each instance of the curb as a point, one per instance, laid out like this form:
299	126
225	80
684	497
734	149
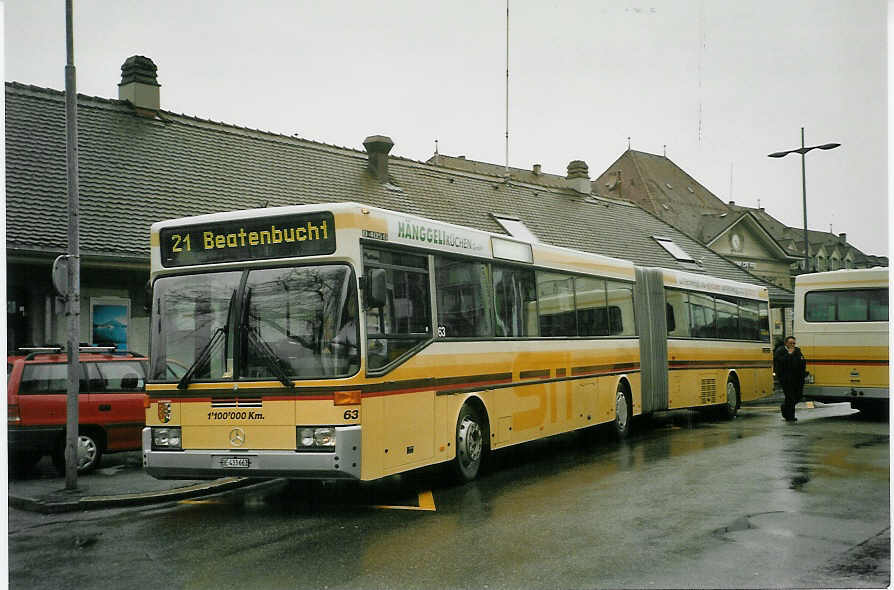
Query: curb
59	504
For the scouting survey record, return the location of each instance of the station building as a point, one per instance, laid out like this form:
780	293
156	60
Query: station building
140	164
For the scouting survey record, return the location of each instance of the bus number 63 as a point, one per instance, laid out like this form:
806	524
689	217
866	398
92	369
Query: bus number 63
352	414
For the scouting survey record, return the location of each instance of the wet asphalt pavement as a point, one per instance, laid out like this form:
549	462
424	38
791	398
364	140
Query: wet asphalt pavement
686	502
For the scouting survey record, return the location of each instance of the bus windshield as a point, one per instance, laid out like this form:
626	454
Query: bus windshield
275	323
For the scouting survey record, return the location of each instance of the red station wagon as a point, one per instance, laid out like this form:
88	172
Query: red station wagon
110	408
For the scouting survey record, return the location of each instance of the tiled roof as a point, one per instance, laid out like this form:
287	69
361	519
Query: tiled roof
658	185
135	171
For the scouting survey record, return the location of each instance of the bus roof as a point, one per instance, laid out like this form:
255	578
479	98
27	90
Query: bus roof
391	227
845	278
697	282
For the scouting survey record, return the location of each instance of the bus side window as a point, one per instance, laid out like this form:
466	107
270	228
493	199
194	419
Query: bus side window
620	308
515	302
701	309
878	305
464	298
403	319
678	313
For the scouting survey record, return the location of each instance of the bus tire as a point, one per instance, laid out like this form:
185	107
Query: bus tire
623	412
471	443
731	407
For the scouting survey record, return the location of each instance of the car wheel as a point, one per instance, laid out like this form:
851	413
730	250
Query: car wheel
731	408
89	453
623	412
471	444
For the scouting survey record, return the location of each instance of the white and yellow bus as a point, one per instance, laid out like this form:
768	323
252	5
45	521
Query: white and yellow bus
841	324
347	341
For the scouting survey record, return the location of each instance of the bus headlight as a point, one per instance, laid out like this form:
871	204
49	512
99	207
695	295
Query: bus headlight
166	439
316	438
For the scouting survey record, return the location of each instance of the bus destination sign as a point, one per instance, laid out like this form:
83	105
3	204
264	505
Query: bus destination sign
286	236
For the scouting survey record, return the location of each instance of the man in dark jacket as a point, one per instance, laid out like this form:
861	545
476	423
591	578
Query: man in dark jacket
790	367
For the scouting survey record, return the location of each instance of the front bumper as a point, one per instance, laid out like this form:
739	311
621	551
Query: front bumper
344	463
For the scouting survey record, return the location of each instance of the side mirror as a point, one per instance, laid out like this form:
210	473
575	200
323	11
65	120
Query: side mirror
376	288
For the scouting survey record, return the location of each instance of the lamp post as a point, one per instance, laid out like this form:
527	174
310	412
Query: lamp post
803	151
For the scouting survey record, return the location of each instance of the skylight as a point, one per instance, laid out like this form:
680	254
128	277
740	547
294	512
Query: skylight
673	249
515	227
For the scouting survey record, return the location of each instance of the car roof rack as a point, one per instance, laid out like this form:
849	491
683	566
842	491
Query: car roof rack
35	351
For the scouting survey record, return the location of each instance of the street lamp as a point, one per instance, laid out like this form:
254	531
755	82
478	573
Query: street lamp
803	150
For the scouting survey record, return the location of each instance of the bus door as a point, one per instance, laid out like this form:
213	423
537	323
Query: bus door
651	325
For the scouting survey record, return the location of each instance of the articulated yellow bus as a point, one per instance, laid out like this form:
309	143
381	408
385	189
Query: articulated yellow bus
346	341
841	323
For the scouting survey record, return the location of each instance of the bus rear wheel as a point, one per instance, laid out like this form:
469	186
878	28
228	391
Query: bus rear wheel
623	412
471	444
731	407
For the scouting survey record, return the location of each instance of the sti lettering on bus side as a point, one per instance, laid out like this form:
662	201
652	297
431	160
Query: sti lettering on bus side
257	239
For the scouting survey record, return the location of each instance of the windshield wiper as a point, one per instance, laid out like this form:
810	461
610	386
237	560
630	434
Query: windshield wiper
270	358
203	357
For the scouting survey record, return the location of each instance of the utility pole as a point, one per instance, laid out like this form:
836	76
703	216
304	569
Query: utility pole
73	296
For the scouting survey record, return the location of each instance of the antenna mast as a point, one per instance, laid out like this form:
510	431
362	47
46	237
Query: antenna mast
507	87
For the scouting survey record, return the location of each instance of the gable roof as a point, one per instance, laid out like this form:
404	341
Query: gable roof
136	170
658	185
715	226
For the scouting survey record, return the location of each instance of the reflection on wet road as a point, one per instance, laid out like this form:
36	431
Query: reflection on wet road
686	502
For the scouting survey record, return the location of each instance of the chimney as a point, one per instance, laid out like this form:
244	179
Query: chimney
578	178
537	169
842	238
732	203
378	146
139	85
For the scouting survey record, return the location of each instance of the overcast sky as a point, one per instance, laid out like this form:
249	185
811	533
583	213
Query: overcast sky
721	83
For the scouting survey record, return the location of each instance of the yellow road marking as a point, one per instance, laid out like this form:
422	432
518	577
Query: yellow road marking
201	502
426	502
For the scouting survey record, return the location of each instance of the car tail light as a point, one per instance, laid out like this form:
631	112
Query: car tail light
12	413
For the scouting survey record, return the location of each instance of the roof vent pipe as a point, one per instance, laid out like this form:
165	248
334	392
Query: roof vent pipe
578	178
378	146
139	84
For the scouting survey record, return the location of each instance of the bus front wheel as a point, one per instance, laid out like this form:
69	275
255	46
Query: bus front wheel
471	444
623	412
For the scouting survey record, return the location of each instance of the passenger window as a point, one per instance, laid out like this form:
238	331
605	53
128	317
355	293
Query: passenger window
701	311
749	320
555	300
116	377
515	302
853	306
593	315
48	378
819	307
727	317
619	298
464	298
678	309
878	305
404	320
